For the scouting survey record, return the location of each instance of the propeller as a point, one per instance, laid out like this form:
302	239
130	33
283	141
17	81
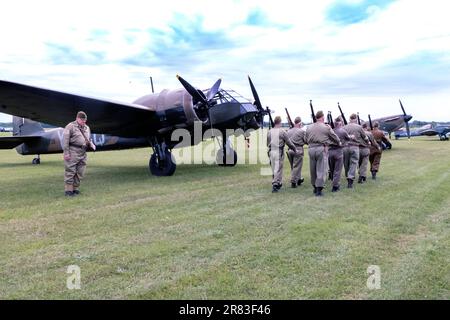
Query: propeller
214	89
261	112
199	99
406	118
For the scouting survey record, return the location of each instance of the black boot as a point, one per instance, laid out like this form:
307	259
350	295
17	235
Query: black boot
299	182
76	192
374	175
293	185
350	183
319	192
361	179
315	190
69	193
335	189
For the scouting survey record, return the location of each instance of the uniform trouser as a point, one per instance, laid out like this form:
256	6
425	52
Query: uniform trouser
351	160
296	161
363	161
375	159
318	165
276	162
75	168
336	161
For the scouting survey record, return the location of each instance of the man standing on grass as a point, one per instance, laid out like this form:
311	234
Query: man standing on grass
351	154
76	142
319	136
276	139
336	154
297	136
365	154
375	154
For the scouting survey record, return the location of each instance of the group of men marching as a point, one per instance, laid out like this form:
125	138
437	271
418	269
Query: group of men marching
350	147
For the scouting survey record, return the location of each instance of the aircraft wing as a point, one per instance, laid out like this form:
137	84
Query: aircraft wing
388	119
59	108
12	142
429	132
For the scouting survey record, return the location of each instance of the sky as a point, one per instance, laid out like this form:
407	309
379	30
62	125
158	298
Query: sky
365	54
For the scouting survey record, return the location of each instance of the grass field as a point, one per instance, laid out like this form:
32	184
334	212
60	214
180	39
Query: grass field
219	233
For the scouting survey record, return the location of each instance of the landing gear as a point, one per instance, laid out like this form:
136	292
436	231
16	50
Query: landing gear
161	162
37	160
227	158
443	138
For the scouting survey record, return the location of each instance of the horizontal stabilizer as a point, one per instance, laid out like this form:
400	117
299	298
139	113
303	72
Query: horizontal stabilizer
12	142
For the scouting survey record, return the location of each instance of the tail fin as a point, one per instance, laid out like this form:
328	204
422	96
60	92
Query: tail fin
26	127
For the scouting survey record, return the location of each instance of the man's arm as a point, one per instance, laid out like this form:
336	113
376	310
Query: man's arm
303	137
364	136
374	142
288	141
92	145
347	137
333	136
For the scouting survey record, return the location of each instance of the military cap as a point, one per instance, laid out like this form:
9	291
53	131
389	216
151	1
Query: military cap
319	114
82	115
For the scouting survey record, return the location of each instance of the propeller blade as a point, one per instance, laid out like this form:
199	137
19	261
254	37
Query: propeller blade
214	89
401	105
192	91
258	104
255	95
408	130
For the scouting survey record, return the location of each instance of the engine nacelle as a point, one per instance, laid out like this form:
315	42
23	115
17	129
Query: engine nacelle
174	108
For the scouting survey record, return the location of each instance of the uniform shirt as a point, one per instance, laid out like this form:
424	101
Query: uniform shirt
73	136
297	136
378	135
277	138
372	140
321	134
343	136
359	133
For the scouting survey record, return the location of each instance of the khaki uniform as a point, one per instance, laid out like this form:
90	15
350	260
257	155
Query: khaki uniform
375	153
351	153
364	152
277	138
319	136
74	144
298	138
336	156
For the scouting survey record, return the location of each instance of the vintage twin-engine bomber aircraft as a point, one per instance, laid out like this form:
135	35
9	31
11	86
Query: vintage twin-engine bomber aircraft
148	121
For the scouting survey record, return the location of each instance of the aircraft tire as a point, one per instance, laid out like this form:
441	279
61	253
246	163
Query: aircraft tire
166	169
219	159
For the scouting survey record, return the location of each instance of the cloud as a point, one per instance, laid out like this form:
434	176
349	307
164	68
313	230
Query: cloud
68	55
360	50
350	12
